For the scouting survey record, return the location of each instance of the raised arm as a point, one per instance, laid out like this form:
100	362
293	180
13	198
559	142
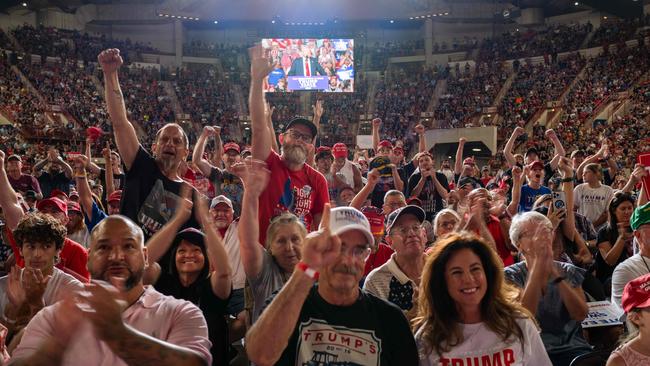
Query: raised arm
362	196
557	146
458	165
8	199
255	177
318	114
569	224
125	136
85	194
637	175
67	169
422	144
199	149
518	177
221	276
507	150
260	68
268	113
91	167
590	159
269	336
376	124
108	172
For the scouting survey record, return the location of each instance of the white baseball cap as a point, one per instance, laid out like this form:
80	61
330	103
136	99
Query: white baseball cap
343	219
220	199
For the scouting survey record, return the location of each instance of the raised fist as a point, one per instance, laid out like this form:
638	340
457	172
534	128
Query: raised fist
110	60
376	122
419	129
462	140
550	134
519	131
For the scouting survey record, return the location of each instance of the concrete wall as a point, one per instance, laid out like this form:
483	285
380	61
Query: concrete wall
16	19
580	17
160	35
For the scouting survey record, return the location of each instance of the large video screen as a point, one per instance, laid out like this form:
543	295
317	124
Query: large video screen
325	65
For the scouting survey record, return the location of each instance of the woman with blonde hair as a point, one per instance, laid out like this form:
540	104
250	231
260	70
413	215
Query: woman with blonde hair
474	317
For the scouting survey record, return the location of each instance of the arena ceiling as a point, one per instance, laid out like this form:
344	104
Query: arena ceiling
247	10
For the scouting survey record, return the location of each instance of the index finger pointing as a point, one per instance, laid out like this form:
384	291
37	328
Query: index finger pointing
325	219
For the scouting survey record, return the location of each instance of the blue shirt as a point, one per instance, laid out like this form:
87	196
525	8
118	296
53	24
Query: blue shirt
97	216
528	197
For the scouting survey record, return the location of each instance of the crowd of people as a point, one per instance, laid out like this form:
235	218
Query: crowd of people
315	252
295	246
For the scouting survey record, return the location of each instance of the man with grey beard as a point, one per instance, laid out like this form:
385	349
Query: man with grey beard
153	183
294	186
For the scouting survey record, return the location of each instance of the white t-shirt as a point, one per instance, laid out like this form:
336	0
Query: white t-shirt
231	244
592	202
482	347
631	268
58	286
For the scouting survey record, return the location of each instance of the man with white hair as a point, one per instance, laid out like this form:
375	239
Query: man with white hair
549	289
333	319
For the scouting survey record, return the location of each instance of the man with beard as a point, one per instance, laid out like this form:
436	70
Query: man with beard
225	183
294	186
116	320
153	183
308	321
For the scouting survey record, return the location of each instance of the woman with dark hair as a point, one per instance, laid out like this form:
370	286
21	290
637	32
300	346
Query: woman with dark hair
474	315
198	270
615	240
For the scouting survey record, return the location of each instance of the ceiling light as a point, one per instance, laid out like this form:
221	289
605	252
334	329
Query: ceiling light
216	22
411	18
273	21
576	3
166	15
476	150
446	13
25	4
392	21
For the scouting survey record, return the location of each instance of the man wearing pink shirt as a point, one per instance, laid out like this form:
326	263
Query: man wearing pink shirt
116	320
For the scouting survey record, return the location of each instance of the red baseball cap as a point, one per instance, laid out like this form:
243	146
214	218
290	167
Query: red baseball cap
115	196
58	193
55	202
94	132
385	143
537	165
231	146
375	218
636	294
74	206
339	150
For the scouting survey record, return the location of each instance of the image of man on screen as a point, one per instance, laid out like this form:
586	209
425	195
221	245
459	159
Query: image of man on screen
307	64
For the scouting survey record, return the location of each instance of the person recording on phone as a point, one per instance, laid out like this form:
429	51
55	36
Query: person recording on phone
307	65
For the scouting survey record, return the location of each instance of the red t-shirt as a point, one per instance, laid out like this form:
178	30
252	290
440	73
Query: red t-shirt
302	192
494	227
378	258
73	258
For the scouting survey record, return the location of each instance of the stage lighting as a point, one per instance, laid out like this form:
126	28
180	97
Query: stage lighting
273	21
392	21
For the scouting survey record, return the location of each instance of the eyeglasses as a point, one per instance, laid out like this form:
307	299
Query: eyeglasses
405	230
300	136
358	252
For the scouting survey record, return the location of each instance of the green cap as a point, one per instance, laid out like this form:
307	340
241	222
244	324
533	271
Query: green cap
640	216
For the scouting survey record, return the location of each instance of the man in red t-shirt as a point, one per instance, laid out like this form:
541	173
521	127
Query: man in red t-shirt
294	186
21	182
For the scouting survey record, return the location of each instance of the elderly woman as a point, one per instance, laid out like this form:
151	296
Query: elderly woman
465	309
267	270
445	222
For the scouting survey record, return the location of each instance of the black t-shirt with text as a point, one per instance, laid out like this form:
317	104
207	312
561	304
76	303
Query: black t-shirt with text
370	332
149	197
431	200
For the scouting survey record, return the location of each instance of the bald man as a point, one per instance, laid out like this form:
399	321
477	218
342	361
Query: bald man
116	320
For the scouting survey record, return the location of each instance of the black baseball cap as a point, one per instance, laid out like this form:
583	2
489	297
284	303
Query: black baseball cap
15	157
531	150
410	209
304	122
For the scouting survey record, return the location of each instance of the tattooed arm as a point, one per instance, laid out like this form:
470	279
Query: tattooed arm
125	136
